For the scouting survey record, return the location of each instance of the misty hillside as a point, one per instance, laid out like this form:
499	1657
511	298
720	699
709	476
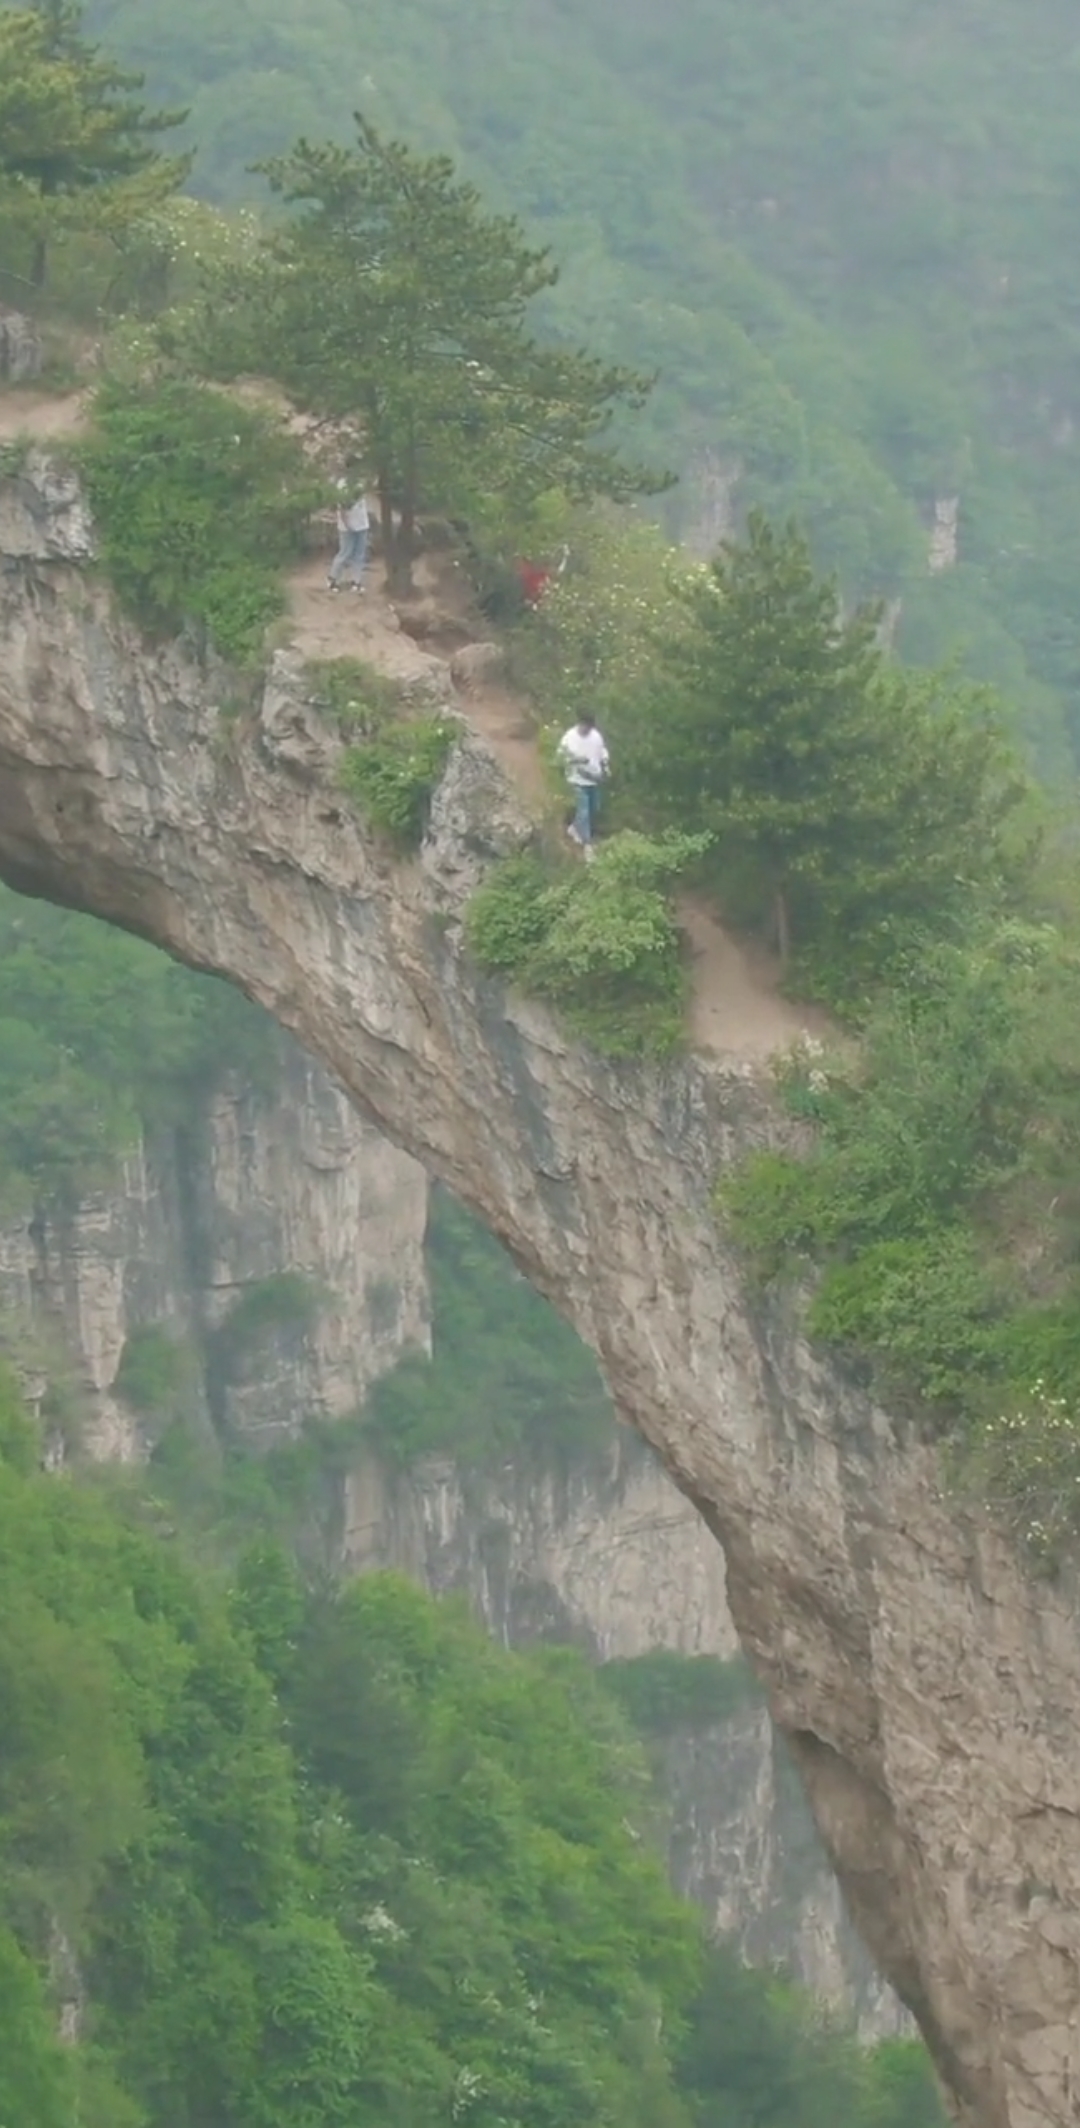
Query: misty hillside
843	231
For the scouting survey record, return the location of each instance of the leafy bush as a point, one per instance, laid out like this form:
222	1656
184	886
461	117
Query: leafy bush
153	1373
199	503
99	1034
395	774
1026	1458
932	1160
661	1691
600	941
360	699
924	1306
397	759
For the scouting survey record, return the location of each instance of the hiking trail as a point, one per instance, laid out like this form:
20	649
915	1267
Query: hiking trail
736	1008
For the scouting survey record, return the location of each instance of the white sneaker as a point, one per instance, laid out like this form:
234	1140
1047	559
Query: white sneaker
590	853
573	833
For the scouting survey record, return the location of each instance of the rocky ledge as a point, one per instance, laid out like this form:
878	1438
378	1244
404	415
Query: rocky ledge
929	1692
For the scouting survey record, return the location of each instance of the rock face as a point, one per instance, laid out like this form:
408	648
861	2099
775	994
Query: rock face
253	1187
743	1846
618	1562
20	348
929	1694
613	1559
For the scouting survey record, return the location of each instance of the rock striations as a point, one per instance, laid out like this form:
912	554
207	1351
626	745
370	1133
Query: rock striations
929	1693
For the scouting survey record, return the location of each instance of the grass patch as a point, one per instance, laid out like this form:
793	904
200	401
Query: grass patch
600	942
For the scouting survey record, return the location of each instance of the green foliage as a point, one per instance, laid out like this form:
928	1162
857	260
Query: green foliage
284	1304
98	1035
849	802
396	759
77	150
506	1378
36	2082
937	1194
430	347
600	941
1025	1457
360	700
153	1373
199	503
662	1692
328	1856
394	774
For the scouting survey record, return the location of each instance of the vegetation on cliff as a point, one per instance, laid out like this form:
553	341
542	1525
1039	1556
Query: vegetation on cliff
294	1857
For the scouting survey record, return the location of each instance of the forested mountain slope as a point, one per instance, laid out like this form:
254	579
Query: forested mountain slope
841	231
286	1859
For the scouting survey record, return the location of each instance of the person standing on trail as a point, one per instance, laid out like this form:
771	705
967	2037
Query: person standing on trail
354	524
585	759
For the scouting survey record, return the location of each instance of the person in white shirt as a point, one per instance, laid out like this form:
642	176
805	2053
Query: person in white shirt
585	759
354	525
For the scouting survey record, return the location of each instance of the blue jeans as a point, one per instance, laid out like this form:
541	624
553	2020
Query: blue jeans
588	805
351	554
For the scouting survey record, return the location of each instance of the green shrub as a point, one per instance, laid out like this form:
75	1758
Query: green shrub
599	941
153	1372
360	700
199	503
508	916
1025	1458
394	774
284	1302
661	1691
924	1306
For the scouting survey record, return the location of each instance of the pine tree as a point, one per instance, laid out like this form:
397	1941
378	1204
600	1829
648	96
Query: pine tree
75	142
844	793
394	298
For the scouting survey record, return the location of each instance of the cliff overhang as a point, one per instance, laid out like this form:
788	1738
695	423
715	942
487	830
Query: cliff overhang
929	1692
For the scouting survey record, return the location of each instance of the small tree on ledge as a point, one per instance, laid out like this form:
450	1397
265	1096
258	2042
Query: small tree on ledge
394	298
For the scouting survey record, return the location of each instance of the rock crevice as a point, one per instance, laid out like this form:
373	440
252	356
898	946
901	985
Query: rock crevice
930	1693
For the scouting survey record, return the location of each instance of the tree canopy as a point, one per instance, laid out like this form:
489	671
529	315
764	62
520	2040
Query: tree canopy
76	144
318	1858
395	298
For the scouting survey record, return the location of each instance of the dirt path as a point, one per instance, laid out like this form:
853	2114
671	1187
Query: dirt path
736	1007
43	416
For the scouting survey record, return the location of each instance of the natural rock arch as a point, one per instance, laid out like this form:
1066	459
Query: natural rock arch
929	1692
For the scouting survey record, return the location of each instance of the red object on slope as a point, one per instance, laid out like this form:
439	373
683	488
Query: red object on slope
534	580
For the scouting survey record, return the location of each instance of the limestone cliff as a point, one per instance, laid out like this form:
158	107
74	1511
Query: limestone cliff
928	1692
252	1186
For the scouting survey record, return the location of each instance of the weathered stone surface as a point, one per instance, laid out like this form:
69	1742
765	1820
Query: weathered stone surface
475	662
283	1177
20	348
929	1693
43	514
